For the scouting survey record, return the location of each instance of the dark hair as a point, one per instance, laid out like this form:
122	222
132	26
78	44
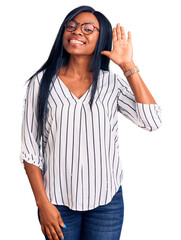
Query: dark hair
59	57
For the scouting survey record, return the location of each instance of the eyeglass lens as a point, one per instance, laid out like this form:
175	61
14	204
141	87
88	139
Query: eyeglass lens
87	28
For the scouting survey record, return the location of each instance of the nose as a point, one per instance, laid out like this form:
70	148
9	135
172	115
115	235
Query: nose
78	30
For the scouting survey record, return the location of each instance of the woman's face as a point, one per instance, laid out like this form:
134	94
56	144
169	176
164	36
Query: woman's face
89	40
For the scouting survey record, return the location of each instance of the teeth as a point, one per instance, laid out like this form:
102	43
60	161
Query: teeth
76	41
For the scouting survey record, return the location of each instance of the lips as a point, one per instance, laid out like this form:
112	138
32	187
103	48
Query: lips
78	39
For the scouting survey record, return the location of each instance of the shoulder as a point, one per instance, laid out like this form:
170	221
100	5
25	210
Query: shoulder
34	83
111	74
38	76
35	80
118	79
108	73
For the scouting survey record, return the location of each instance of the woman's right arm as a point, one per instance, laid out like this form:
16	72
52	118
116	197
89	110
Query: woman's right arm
50	217
33	162
34	174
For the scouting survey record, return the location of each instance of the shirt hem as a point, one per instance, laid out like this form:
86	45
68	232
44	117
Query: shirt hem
92	207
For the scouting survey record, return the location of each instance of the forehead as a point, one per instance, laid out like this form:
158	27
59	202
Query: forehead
86	17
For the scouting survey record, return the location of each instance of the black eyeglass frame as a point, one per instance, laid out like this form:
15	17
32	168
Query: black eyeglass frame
65	24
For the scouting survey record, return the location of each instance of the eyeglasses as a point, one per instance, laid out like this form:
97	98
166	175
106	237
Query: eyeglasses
87	28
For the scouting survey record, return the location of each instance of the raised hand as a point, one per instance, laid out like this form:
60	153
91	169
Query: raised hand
122	48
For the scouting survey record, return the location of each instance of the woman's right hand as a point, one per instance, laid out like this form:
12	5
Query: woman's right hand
50	220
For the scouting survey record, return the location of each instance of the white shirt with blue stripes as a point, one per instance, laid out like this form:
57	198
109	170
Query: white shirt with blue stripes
79	150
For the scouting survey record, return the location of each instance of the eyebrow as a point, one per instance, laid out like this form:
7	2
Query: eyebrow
85	22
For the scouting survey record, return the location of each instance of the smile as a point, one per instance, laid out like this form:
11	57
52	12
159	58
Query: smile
75	42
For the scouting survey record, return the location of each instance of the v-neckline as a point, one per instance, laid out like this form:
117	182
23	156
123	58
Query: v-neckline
77	99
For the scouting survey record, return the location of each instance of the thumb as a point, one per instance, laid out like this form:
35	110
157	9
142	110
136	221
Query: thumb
106	53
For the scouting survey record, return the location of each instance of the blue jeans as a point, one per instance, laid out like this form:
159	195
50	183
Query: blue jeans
101	223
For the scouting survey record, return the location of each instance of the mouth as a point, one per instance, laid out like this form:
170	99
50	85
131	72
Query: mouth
75	42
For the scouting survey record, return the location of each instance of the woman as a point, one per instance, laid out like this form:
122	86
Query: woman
70	111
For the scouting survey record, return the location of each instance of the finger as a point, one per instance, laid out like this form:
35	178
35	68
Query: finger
54	234
123	35
129	36
49	235
59	231
43	229
118	31
114	35
106	53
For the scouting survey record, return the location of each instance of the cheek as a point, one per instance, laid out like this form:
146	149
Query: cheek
93	42
66	36
65	44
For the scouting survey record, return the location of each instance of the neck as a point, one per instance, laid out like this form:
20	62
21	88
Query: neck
78	67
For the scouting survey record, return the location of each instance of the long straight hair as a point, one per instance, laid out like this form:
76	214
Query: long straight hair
59	57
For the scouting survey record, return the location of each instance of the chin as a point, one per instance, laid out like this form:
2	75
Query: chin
80	53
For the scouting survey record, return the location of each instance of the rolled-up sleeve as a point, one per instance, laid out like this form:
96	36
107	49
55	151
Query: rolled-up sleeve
146	116
30	143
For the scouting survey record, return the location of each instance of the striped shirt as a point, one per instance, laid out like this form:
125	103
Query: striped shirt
79	149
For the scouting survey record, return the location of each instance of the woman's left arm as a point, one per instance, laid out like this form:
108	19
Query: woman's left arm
140	90
141	107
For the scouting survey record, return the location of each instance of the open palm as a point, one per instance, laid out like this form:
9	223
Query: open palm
122	49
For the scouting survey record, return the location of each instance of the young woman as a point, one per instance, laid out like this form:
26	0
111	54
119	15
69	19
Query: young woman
70	141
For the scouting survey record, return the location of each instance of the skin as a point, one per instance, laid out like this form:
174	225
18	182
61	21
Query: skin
77	77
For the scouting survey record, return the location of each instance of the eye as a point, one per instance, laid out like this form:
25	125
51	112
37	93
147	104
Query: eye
70	27
88	28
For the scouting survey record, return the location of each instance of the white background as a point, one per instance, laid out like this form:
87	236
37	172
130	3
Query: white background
151	160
